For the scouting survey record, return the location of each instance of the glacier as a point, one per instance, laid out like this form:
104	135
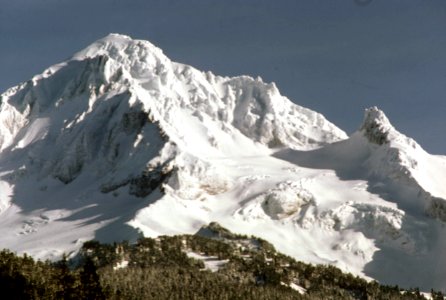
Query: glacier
119	141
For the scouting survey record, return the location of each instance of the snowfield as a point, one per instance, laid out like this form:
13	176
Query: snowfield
119	141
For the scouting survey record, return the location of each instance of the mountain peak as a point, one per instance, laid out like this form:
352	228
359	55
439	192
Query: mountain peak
376	126
120	140
121	47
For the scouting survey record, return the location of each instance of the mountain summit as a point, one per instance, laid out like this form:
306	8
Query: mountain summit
376	126
119	141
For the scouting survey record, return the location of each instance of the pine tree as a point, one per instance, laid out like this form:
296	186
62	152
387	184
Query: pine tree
90	286
67	281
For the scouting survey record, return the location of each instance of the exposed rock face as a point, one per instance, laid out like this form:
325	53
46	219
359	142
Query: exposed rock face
376	126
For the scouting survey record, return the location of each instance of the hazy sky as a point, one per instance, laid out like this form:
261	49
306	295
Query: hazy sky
334	56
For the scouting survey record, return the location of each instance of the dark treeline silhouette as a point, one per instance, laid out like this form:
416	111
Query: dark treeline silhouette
161	269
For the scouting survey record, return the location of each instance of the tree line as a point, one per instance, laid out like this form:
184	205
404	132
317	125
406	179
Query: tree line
161	269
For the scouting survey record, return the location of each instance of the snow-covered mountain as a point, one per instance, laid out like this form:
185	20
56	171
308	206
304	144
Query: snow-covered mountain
120	141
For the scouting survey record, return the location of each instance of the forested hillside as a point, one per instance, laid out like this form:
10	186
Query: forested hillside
213	264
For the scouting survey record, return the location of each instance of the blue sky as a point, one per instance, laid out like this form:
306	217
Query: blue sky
333	56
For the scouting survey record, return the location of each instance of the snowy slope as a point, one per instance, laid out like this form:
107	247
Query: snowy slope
120	141
87	143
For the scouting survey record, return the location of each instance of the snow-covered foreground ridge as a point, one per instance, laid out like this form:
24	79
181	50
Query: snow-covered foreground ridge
119	141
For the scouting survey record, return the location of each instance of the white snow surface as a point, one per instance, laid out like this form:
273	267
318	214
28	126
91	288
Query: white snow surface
211	263
119	141
296	287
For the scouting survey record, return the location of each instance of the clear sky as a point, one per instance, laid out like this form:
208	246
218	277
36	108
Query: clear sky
334	56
